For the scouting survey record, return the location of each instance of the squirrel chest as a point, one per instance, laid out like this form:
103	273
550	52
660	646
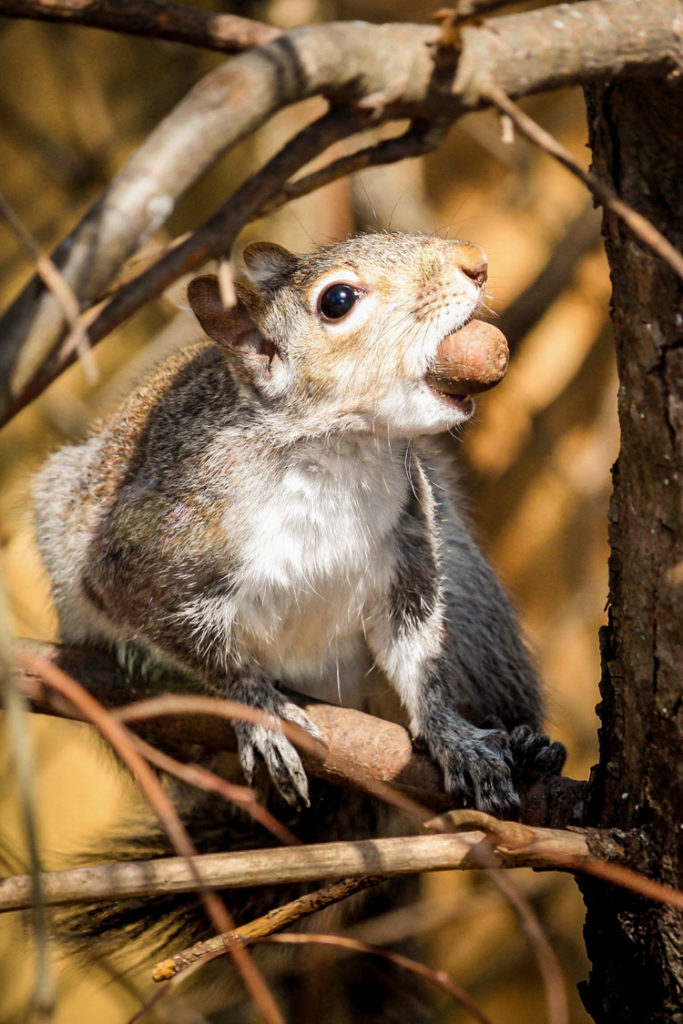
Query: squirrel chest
317	555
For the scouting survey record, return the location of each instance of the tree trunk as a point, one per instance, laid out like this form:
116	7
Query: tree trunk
634	945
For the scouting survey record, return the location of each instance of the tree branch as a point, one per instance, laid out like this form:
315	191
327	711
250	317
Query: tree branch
391	71
354	859
641	227
288	865
227	33
360	747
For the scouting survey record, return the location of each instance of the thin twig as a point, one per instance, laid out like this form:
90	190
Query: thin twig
44	993
546	957
439	978
202	778
152	19
641	227
581	236
117	735
274	920
77	339
420	138
513	835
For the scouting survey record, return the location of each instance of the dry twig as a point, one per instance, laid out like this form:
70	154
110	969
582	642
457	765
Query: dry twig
116	734
641	227
317	862
196	775
77	340
439	978
153	19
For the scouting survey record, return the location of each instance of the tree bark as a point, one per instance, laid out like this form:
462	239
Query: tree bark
635	946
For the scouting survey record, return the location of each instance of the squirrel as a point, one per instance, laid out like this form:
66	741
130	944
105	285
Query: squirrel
260	511
270	510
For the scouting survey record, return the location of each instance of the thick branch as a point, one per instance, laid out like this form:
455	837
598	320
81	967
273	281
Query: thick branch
227	33
395	70
360	746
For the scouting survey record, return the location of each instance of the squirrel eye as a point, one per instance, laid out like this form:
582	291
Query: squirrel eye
337	300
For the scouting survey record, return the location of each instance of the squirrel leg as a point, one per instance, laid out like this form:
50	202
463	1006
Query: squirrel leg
476	762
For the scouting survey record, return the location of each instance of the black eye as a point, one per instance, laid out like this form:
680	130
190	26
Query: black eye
337	300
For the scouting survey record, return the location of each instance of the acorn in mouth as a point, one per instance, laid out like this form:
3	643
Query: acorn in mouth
472	359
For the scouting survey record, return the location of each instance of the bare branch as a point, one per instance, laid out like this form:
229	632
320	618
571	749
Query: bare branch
549	965
274	920
196	775
639	225
386	71
527	309
438	978
77	340
312	863
361	750
227	33
420	138
117	735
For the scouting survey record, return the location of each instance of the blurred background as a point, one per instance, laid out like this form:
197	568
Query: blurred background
74	103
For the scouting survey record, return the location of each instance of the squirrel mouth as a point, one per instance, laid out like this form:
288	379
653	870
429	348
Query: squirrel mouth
469	360
463	403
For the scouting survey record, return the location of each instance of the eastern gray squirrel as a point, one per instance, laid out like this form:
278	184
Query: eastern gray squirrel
268	509
260	512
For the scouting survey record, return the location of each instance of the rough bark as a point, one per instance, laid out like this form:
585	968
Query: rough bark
635	947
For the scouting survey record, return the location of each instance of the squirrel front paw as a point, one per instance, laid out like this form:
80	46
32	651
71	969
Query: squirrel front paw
534	754
259	743
477	769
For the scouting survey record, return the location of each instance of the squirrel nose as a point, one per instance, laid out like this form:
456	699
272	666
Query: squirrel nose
475	266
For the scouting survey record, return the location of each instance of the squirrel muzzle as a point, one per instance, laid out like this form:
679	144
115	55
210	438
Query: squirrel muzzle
470	360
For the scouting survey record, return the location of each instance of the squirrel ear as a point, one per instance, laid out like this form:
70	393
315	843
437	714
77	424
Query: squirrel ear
222	324
233	328
265	260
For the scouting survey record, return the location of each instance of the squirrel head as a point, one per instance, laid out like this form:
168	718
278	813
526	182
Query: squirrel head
364	334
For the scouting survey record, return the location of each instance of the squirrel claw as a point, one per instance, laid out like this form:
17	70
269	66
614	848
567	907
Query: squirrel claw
260	744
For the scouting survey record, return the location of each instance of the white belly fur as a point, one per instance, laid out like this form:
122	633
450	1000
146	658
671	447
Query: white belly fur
316	561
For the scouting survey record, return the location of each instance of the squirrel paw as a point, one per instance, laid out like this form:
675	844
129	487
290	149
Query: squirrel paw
477	767
257	743
534	754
